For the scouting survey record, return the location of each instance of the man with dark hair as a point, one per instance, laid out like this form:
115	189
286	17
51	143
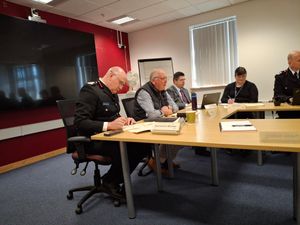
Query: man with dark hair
178	93
285	82
240	91
97	110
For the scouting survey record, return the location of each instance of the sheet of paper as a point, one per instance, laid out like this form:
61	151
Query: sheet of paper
139	127
244	125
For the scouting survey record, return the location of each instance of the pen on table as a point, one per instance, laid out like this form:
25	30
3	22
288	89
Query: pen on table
242	125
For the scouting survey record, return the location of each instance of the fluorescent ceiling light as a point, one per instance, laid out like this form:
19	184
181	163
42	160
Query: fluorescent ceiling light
43	1
122	20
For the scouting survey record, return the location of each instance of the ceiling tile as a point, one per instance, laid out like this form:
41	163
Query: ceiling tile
77	7
211	5
101	14
102	3
152	11
189	11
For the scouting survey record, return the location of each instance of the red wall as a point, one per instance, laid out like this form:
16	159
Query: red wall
108	54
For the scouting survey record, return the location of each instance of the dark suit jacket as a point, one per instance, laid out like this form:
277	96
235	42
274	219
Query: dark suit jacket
285	83
176	96
96	105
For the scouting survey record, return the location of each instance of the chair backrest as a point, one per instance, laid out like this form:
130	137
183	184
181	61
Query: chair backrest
66	110
128	104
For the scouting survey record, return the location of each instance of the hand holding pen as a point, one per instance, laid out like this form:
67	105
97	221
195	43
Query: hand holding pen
230	100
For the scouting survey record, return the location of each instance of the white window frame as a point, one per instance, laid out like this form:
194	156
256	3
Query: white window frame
210	75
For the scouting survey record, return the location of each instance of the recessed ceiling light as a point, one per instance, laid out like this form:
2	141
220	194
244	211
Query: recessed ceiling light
121	20
43	1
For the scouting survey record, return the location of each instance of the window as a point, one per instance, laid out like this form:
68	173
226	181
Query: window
213	52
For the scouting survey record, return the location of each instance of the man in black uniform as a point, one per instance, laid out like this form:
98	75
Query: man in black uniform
97	110
285	82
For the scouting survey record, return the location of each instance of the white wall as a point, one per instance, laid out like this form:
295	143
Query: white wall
267	31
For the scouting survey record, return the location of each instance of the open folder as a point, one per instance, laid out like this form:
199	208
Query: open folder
244	125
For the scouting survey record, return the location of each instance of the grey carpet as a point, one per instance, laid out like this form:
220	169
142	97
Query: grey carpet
248	194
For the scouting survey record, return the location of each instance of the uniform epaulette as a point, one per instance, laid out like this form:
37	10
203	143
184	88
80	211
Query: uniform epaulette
283	72
92	83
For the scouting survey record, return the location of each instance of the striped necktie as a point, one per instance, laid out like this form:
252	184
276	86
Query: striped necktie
184	98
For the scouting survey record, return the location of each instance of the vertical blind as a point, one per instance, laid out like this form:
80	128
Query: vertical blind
213	52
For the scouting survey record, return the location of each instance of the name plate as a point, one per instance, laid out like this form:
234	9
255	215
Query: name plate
280	137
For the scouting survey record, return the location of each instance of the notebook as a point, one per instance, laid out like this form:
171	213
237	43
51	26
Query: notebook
296	96
211	98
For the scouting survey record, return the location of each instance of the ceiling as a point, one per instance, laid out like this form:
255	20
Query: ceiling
147	12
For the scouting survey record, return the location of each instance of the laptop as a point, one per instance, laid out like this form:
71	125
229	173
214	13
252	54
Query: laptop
211	98
296	96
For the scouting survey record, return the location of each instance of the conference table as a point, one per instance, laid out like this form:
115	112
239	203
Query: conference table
270	135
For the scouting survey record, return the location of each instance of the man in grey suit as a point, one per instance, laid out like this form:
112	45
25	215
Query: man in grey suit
181	97
178	93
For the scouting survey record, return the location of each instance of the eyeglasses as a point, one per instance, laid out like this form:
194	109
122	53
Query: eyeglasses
121	82
162	78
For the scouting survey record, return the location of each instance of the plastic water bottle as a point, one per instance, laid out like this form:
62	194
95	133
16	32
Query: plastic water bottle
194	101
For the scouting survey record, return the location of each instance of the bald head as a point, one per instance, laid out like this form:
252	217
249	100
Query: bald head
115	78
294	60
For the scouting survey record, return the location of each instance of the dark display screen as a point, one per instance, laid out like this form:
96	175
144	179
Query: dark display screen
40	64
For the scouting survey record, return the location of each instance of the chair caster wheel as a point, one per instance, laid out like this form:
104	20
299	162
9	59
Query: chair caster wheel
117	202
70	196
78	210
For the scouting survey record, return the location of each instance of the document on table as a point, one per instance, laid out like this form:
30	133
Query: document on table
237	125
139	127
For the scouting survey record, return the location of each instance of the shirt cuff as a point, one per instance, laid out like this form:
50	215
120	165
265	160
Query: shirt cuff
105	124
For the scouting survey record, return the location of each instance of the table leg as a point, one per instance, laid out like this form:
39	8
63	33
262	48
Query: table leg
170	163
296	183
127	181
158	168
214	167
259	158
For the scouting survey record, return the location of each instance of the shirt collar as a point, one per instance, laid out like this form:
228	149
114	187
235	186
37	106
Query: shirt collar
293	72
178	89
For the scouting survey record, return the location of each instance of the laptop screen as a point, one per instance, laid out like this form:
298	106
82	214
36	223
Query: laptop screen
210	98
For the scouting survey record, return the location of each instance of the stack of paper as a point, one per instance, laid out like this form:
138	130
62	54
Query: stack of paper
168	127
244	125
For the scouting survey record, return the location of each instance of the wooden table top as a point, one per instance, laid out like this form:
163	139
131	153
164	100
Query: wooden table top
206	131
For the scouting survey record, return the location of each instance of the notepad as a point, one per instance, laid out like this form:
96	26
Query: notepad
244	125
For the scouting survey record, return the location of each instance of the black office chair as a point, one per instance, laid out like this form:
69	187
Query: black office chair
76	147
128	104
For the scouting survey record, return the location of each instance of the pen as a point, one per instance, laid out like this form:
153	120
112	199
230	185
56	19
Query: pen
242	125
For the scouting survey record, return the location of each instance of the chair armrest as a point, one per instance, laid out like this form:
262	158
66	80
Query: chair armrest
79	139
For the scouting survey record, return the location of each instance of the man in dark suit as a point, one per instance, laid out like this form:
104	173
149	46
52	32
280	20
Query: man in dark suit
178	93
97	110
285	82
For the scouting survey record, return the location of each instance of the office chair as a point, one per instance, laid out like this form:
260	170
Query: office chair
128	104
76	147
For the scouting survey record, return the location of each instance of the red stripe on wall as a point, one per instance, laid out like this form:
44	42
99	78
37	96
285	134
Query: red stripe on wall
16	149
